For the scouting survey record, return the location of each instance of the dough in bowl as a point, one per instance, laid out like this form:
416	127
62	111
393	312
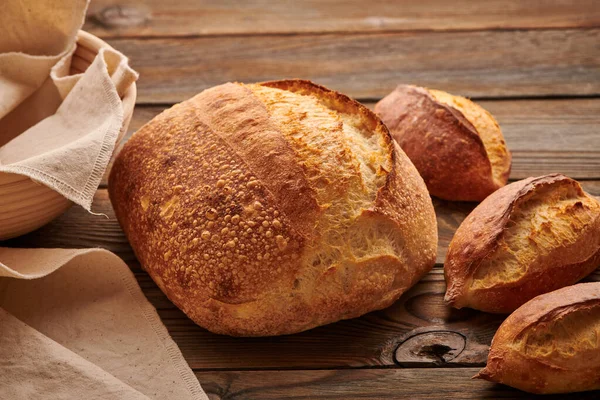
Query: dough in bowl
272	208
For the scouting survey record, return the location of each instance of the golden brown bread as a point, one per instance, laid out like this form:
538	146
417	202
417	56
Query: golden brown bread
528	238
272	208
456	145
551	344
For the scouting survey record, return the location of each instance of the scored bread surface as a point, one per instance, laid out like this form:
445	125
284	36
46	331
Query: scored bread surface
551	344
456	145
529	238
272	208
488	130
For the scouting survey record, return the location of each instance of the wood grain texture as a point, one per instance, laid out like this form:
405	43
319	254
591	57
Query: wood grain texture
491	49
545	136
111	18
79	229
368	66
528	125
419	330
414	384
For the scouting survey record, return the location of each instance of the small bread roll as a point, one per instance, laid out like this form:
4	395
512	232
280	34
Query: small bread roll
551	344
528	238
456	145
272	208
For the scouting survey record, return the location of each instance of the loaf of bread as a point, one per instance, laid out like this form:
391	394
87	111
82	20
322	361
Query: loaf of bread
551	344
528	238
272	208
456	145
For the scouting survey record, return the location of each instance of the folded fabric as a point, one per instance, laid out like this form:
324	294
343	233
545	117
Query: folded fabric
75	324
56	128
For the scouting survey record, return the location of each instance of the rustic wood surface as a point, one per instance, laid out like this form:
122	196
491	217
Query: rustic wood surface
419	330
481	64
535	65
413	384
544	136
147	18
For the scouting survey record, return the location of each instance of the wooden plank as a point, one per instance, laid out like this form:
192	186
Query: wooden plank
79	229
549	125
414	384
368	66
528	125
110	18
544	135
419	330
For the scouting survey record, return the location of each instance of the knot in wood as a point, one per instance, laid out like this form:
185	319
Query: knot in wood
438	347
122	16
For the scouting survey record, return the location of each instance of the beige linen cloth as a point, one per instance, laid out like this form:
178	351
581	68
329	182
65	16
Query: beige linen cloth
56	128
74	324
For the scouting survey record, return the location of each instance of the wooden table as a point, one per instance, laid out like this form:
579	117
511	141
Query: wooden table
535	65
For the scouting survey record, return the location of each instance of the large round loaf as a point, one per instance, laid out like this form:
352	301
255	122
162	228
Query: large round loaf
272	208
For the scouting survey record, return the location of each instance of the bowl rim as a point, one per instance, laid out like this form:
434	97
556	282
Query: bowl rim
94	44
91	42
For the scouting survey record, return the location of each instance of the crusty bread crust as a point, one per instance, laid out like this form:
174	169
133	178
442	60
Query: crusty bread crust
527	351
223	214
444	145
480	240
